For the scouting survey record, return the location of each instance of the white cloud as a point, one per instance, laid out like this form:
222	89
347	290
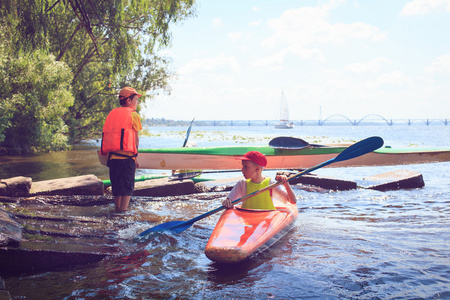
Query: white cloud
276	59
302	31
211	64
310	25
224	79
439	65
255	23
395	78
300	25
235	35
423	7
342	32
369	66
217	23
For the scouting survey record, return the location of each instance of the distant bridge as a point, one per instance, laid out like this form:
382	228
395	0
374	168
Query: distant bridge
337	119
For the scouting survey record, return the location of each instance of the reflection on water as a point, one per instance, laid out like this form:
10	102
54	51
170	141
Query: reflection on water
81	160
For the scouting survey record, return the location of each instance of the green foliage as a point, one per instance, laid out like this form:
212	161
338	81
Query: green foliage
35	95
107	44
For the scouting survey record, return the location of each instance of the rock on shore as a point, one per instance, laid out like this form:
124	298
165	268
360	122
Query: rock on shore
10	230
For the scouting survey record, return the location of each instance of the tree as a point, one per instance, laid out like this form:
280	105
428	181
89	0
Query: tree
107	44
35	94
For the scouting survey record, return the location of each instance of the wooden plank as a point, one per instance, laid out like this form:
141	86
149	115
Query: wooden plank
394	180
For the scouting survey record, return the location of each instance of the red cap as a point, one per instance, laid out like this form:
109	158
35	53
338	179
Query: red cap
256	157
127	92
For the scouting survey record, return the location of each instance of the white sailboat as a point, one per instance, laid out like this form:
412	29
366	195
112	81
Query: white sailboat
284	115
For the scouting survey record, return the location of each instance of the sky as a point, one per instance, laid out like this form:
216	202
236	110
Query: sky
338	57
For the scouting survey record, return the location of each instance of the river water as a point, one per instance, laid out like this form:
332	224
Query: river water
359	244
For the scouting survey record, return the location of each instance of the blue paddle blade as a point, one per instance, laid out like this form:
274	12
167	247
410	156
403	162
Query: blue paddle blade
174	226
181	227
360	148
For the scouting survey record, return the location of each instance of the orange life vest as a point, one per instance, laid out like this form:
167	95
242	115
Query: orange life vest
118	133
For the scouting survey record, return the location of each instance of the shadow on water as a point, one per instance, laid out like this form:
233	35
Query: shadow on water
222	273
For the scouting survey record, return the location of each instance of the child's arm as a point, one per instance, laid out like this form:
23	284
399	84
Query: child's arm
238	191
136	125
287	186
137	147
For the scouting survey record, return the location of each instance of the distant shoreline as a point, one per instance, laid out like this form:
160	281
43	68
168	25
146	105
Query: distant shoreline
327	122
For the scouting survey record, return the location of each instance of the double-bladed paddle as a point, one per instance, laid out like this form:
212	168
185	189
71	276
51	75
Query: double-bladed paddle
360	148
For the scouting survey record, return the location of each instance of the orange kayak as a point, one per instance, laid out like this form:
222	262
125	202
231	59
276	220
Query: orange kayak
241	233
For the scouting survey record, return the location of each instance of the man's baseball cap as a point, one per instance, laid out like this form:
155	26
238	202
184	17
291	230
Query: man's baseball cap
256	157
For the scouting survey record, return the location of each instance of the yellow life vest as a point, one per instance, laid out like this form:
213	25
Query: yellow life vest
260	201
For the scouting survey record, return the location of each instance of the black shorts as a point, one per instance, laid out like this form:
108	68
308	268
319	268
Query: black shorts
121	174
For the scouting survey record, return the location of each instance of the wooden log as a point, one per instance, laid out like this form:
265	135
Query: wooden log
79	185
395	180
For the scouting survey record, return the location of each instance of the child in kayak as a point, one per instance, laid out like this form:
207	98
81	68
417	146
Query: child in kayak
253	163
